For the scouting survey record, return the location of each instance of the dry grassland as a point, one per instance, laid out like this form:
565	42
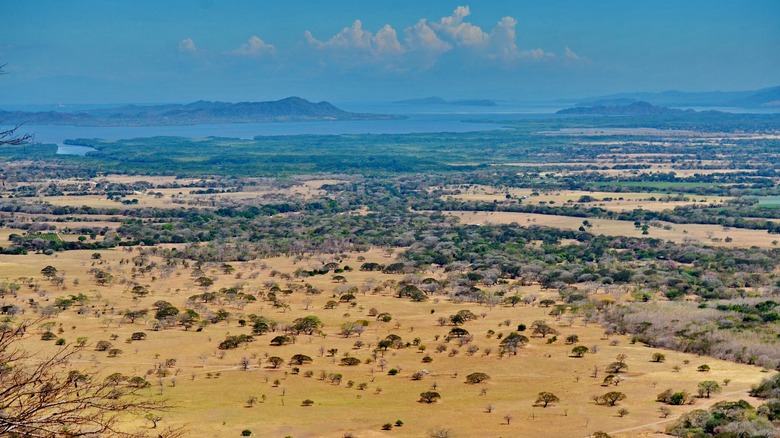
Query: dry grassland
621	201
680	233
210	391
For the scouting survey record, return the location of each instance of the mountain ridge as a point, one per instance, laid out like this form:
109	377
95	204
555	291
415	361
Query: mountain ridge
638	108
435	100
761	98
200	112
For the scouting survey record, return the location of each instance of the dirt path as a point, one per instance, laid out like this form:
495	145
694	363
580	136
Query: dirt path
699	405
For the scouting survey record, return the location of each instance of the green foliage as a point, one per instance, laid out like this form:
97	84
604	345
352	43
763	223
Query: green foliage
474	378
235	341
429	397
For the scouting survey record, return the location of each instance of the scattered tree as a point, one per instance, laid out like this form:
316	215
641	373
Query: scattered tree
545	398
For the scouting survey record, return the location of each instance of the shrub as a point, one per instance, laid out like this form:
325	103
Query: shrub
579	351
474	378
350	361
429	396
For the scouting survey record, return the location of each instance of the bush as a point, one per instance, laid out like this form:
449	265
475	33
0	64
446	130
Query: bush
350	361
579	351
246	432
231	342
392	372
474	378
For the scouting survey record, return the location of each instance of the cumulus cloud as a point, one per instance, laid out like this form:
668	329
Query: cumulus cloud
423	38
356	39
187	46
425	42
254	47
460	32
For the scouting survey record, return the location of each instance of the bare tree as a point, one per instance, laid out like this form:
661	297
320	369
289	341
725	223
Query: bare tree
10	136
44	396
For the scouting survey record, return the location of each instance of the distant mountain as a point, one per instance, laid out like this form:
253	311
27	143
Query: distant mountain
201	112
766	97
640	108
439	101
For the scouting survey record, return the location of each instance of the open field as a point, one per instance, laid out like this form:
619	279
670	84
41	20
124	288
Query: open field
387	263
211	390
681	233
616	201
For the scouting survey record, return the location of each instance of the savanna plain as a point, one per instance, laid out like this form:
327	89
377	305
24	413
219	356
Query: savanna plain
527	281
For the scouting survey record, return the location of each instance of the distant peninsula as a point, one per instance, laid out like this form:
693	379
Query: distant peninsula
291	109
763	98
439	101
639	108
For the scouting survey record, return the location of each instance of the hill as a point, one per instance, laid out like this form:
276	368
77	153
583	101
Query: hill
766	97
434	100
201	112
640	108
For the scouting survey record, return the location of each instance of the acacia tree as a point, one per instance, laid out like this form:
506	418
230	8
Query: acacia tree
545	398
708	387
44	396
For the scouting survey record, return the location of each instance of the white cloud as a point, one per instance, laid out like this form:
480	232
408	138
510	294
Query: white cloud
461	33
386	41
503	40
425	42
187	46
359	41
254	47
422	37
569	54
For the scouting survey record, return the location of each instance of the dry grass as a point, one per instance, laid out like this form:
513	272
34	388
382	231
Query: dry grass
620	201
217	406
681	233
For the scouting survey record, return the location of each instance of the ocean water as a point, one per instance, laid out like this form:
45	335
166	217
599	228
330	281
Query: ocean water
416	119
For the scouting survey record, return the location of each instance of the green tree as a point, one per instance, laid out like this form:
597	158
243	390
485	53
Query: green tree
708	387
49	272
429	397
579	351
611	398
275	361
474	378
545	398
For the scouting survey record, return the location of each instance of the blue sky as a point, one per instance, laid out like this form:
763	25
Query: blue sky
141	51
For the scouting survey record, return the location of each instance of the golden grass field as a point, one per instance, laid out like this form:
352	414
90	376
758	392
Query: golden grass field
209	390
620	201
217	406
681	233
